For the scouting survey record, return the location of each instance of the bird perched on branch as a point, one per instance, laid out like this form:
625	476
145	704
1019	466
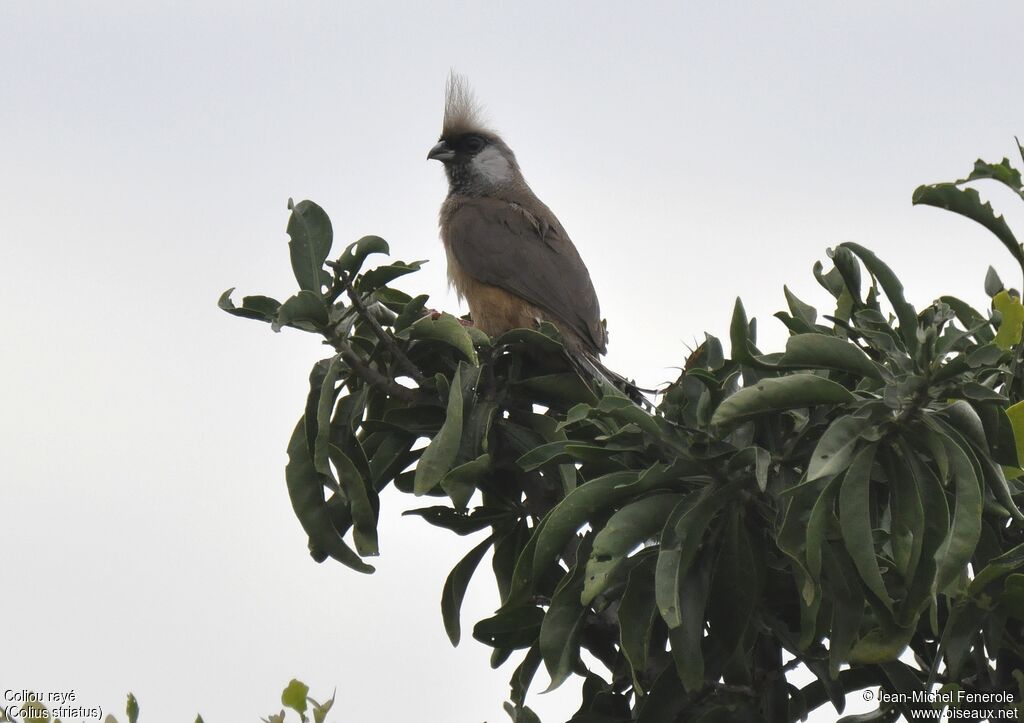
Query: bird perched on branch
508	255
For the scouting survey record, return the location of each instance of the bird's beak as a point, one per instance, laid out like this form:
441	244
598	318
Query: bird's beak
441	152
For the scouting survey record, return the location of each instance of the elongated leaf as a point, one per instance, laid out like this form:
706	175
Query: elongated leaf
324	408
523	675
543	454
439	456
893	289
562	522
461	523
382	275
805	312
817	526
847	610
855	522
822	351
955	551
460	482
686	638
311	238
511	628
680	540
1009	333
967	202
307	496
563	625
364	515
1002	172
835	449
455	589
627	528
261	308
1010	561
637	613
775	394
446	329
735	591
306	311
353	257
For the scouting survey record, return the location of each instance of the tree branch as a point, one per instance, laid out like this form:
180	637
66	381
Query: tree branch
373	377
385	338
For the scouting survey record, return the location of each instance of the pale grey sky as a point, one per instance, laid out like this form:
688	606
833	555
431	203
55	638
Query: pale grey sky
694	151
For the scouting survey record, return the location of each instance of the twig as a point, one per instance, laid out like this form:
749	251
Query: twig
385	338
373	377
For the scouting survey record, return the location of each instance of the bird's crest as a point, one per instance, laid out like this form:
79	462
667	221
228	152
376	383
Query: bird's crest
461	111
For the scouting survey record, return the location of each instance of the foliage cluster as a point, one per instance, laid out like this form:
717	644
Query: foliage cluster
847	505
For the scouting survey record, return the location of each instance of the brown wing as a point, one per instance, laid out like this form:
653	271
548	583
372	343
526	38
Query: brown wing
501	244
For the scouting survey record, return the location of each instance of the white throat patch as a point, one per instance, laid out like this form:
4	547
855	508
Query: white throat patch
492	165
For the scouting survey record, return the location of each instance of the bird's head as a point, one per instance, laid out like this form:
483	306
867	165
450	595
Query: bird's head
475	158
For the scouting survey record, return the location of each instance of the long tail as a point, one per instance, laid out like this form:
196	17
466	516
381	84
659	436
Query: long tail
590	367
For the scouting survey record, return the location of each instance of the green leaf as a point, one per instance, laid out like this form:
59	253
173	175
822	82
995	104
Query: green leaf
132	709
580	505
565	387
632	525
294	697
512	628
735	591
545	339
455	589
562	627
520	714
375	278
893	289
806	313
306	490
967	202
817	526
261	308
460	482
680	540
446	329
993	284
542	455
1012	597
847	612
364	515
523	675
322	420
955	551
305	311
1010	328
855	522
311	238
835	449
822	351
779	393
637	613
1002	172
439	456
320	710
561	523
686	638
461	523
997	567
753	456
353	257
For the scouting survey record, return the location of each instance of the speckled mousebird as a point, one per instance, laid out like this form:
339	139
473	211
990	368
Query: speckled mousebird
508	255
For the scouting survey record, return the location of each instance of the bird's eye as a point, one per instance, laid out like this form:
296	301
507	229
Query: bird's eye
474	144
